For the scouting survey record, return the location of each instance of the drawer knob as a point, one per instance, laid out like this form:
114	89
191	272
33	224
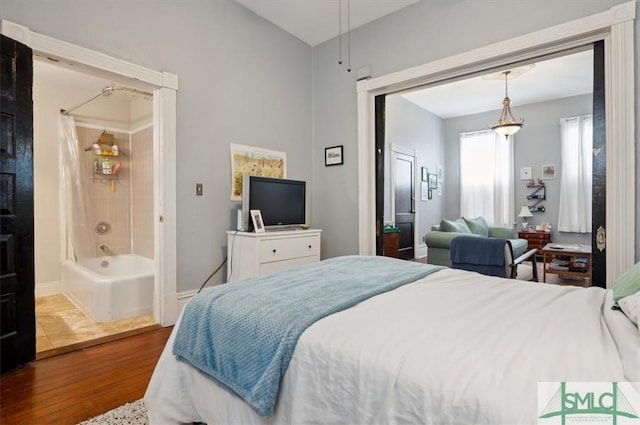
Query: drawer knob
309	246
274	251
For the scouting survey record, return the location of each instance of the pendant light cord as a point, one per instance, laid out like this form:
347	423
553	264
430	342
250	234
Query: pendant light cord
348	35
506	89
340	31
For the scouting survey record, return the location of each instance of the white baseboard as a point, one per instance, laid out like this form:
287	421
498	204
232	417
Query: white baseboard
48	288
421	251
184	297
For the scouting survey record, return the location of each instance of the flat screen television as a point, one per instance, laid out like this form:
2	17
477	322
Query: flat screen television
281	202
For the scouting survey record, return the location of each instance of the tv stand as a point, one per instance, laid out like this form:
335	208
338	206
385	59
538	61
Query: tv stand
253	254
281	229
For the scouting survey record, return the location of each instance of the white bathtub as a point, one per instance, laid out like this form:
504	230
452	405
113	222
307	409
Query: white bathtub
110	288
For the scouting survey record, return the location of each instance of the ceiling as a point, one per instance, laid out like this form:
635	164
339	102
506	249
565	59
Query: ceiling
316	21
50	73
564	76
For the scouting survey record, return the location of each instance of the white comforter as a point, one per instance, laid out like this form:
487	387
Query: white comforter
452	348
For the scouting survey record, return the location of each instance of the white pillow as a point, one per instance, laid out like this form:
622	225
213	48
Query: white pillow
630	305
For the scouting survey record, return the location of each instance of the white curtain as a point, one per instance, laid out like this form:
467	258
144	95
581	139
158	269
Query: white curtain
78	233
576	141
486	177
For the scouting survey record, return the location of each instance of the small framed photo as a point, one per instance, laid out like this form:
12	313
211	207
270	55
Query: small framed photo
256	219
430	195
440	173
433	181
425	174
525	173
424	191
548	172
333	156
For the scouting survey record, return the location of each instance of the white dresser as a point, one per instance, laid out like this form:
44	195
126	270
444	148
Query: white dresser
254	254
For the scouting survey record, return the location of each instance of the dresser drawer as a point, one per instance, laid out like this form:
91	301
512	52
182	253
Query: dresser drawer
276	266
284	249
535	237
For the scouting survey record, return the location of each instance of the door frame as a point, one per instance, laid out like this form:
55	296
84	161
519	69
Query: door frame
395	148
164	86
616	28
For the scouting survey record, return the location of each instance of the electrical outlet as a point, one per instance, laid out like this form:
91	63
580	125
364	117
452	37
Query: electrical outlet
198	189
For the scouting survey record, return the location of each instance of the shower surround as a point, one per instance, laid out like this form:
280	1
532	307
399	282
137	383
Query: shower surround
125	201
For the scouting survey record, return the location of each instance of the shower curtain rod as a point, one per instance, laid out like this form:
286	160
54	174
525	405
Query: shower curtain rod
107	91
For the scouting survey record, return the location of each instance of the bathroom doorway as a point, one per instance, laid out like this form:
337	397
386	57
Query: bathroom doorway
93	208
164	86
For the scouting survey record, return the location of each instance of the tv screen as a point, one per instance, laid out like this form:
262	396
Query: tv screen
281	202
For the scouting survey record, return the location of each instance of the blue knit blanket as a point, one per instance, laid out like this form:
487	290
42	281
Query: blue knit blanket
482	255
243	334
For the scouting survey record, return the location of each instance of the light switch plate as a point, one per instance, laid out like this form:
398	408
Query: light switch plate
198	189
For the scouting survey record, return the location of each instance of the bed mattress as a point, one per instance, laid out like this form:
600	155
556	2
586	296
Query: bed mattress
452	347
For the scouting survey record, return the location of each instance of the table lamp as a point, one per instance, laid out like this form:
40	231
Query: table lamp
524	213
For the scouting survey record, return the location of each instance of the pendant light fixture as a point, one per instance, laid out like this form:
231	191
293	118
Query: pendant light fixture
507	124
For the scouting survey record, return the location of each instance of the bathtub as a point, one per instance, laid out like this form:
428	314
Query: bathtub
111	287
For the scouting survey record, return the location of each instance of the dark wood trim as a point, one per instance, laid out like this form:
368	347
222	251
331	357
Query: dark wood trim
380	117
17	274
599	184
74	387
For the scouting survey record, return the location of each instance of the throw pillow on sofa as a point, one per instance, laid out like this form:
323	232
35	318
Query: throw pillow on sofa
477	226
458	226
627	283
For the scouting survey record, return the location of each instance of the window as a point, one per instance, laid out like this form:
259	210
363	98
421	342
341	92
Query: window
486	177
576	147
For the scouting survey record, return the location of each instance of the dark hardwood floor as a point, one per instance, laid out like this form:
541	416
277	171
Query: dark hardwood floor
73	387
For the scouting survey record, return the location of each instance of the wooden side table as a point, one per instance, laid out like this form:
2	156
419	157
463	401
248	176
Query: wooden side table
391	242
570	256
536	240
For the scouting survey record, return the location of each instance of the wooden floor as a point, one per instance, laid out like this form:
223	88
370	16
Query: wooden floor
71	388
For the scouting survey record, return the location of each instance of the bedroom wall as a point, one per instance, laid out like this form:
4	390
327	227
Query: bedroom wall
536	144
418	34
241	80
412	127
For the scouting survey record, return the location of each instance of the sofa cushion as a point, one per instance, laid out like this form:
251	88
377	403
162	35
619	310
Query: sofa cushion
519	246
458	226
478	226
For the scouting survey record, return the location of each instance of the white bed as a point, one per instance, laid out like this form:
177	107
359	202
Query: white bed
452	347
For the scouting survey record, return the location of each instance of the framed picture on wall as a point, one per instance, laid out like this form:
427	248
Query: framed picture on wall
440	173
333	156
548	172
424	191
433	181
425	174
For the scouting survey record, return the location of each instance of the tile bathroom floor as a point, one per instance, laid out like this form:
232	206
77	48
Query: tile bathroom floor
60	323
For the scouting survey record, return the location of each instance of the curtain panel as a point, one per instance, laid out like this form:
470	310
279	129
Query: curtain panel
486	177
576	147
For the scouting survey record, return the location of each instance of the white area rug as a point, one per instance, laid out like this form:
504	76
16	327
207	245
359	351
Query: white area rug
128	414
